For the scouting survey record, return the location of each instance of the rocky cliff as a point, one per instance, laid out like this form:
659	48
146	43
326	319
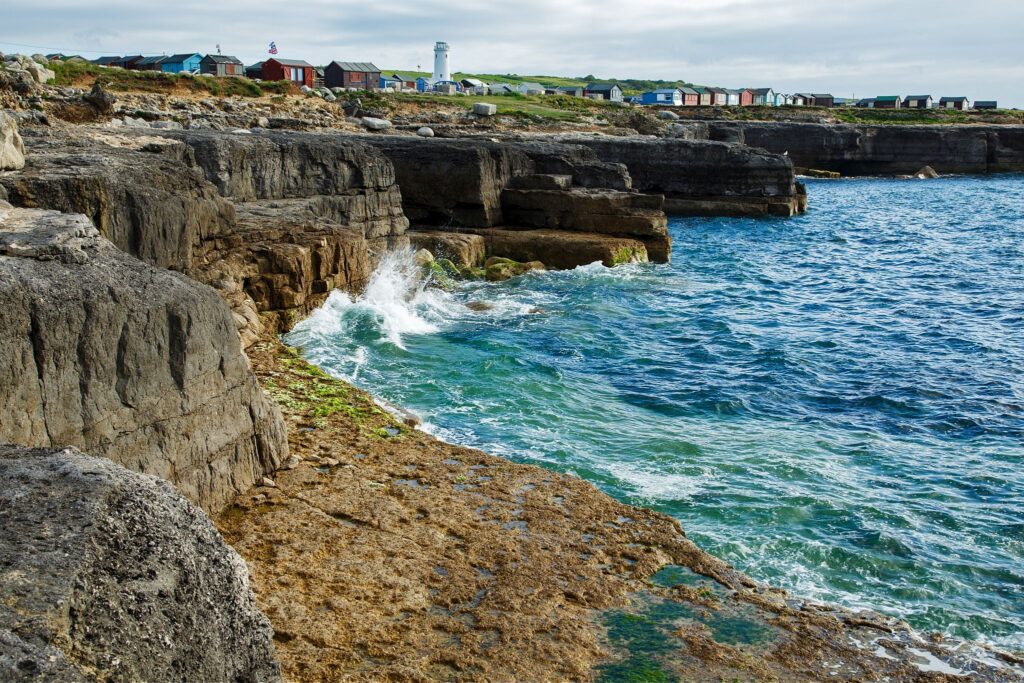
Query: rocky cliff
110	575
881	150
121	359
705	178
475	184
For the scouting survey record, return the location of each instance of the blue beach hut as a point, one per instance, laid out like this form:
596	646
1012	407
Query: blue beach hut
175	64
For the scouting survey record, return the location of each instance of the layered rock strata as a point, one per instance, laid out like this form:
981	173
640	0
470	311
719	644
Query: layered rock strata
523	184
274	222
111	575
881	150
135	363
701	178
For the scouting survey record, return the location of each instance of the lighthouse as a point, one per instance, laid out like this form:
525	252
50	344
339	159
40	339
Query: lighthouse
442	71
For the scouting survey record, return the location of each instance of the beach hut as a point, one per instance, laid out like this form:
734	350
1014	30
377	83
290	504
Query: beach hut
148	63
762	97
824	100
663	97
254	71
691	98
603	91
127	61
746	97
986	104
719	96
296	71
570	90
887	102
361	75
185	62
527	88
500	88
390	83
107	61
221	65
408	82
961	103
918	102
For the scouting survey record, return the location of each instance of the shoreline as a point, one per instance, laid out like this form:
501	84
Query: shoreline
529	574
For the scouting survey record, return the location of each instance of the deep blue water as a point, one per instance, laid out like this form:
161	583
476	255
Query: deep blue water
834	403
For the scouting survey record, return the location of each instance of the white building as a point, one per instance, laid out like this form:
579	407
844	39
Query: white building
442	70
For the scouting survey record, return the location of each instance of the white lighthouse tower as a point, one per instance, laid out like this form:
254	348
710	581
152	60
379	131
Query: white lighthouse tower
442	71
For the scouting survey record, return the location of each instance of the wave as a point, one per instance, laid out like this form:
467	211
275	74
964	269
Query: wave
395	303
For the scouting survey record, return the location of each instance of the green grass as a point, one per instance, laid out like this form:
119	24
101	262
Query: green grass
123	80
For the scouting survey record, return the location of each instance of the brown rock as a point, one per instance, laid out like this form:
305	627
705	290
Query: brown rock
130	362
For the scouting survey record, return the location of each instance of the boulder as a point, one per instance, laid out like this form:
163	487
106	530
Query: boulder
12	149
666	115
425	132
101	100
305	89
463	249
423	258
40	74
375	124
166	125
497	269
138	364
112	575
485	109
926	172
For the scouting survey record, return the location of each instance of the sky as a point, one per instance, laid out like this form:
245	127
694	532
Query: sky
850	48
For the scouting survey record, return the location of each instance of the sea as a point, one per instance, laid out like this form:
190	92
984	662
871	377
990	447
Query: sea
833	403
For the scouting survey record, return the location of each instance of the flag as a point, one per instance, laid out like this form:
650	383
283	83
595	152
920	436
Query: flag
273	48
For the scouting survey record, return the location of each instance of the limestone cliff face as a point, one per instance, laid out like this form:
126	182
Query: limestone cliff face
147	204
475	184
111	575
314	213
273	221
135	363
882	150
706	178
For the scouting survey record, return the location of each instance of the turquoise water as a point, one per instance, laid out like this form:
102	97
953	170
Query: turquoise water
833	403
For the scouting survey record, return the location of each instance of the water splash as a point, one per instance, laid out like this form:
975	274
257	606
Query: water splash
396	302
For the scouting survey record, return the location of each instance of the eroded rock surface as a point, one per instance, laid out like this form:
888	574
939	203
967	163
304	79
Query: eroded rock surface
384	554
883	150
12	149
148	204
135	363
111	575
705	178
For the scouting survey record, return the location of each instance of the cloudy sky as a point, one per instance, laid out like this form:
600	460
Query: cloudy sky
847	47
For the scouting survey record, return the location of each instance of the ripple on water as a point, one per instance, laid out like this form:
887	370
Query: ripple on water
832	402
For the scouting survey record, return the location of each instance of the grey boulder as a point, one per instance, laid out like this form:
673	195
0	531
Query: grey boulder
12	149
375	124
111	575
